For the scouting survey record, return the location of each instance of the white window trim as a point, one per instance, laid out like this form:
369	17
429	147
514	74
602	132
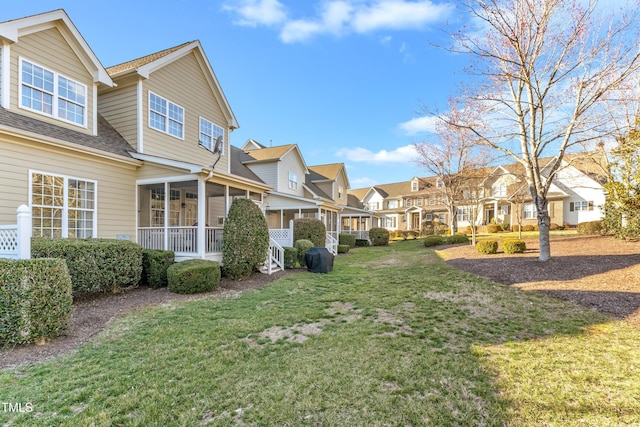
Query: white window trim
293	181
65	202
166	117
55	95
533	211
212	136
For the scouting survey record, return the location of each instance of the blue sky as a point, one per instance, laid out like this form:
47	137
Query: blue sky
343	79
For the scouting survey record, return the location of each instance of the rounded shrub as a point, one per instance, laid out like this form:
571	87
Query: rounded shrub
493	228
343	249
302	246
433	241
515	227
590	227
347	239
310	229
290	256
487	247
155	263
193	276
513	246
528	227
554	226
246	239
362	242
379	236
456	239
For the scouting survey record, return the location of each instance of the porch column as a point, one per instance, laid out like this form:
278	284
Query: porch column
167	214
281	218
495	211
227	203
202	220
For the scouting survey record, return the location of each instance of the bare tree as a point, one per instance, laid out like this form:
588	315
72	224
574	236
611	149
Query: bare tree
543	69
454	159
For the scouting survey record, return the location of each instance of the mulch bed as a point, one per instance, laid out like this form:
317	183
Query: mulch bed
597	272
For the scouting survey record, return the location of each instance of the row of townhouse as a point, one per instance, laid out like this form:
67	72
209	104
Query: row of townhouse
139	150
500	195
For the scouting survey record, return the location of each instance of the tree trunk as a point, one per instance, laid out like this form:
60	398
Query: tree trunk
543	227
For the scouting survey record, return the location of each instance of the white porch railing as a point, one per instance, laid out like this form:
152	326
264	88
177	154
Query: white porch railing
332	244
15	240
275	256
180	239
282	236
360	234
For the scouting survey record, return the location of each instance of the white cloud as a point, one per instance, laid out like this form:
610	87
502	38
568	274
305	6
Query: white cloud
338	17
258	12
403	154
363	182
418	125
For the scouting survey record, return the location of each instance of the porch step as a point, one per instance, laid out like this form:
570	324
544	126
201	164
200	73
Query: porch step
274	267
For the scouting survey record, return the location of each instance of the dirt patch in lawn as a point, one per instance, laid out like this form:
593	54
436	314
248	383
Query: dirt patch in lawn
598	272
91	316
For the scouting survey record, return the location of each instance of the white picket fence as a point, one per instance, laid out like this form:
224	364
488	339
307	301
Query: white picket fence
15	239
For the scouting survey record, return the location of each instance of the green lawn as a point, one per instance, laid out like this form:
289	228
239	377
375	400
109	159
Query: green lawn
392	337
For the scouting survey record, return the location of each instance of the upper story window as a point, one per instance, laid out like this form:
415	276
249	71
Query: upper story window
293	181
52	94
439	183
432	200
500	191
414	185
209	132
340	191
166	116
409	202
392	204
581	206
419	201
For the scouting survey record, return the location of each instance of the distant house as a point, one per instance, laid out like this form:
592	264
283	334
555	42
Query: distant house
576	195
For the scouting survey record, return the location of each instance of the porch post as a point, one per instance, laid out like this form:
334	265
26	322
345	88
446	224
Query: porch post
24	232
202	219
167	214
282	218
227	203
495	211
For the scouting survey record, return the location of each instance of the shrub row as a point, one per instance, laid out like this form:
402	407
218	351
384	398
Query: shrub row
95	265
193	276
35	300
448	240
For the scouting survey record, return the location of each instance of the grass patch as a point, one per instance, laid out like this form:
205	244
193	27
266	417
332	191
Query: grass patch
413	343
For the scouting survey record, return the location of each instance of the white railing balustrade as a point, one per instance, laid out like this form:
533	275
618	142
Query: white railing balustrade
180	239
213	239
332	244
275	256
15	239
360	234
283	236
8	241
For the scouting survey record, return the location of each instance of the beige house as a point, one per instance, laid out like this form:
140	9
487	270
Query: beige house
137	151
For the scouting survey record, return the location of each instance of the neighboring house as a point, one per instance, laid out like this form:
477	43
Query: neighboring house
576	195
300	191
124	152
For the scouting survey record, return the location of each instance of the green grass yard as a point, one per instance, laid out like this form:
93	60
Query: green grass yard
392	337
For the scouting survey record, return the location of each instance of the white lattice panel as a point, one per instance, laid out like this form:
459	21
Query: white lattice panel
8	240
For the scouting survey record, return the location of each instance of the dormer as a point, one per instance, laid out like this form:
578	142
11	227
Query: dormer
49	72
415	184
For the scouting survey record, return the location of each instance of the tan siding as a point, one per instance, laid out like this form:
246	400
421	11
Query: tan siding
50	50
119	108
183	82
116	183
152	171
291	163
268	172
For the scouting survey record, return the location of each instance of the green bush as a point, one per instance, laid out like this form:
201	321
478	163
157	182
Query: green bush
362	242
513	246
529	227
193	276
155	263
554	226
379	236
487	247
398	234
590	227
290	257
456	239
433	241
35	300
95	265
343	249
302	246
310	229
515	227
246	239
347	239
493	228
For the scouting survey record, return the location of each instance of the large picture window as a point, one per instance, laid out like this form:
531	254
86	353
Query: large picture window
63	206
166	116
49	93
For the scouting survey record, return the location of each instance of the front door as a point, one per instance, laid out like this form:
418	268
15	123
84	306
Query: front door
489	214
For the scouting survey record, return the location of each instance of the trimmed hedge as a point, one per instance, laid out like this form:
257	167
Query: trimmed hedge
493	228
433	241
513	246
246	239
302	246
35	300
362	242
343	249
347	239
290	257
95	265
379	236
193	276
456	239
590	227
310	229
529	227
487	247
155	263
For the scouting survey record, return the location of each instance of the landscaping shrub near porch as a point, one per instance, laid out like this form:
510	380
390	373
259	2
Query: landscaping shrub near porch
379	236
310	229
95	265
155	263
487	247
35	300
193	276
514	246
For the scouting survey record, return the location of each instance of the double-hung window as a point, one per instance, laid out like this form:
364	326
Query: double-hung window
209	132
166	116
63	206
582	205
293	181
500	191
530	211
49	93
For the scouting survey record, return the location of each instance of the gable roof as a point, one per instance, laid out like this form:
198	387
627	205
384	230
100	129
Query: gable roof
252	144
147	64
237	158
273	154
108	140
10	31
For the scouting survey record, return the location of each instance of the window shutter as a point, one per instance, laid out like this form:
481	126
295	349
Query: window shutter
571	207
